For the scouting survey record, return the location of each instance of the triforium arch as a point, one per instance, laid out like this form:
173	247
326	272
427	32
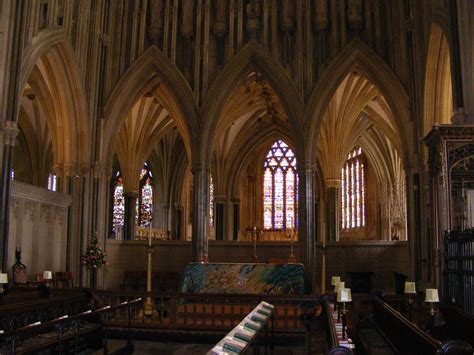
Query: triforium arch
150	102
252	58
50	72
358	57
351	103
242	162
259	142
151	70
438	90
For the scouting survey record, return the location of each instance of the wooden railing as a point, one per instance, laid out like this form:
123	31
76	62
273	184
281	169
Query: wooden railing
248	332
459	324
64	328
213	312
25	305
332	338
408	338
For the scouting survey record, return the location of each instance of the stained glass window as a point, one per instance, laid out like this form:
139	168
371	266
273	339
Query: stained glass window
145	198
119	202
52	182
280	188
353	190
211	202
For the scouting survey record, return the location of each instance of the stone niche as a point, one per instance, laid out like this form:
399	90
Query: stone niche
38	225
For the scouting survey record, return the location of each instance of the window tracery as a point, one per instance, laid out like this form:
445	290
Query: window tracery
353	190
280	188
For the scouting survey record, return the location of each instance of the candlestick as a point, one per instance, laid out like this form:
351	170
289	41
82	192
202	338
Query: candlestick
148	301
255	258
149	236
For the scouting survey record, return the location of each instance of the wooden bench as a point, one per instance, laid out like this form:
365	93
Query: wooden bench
407	338
65	334
458	324
332	339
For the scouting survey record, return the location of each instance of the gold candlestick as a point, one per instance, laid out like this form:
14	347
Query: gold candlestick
148	301
255	257
291	258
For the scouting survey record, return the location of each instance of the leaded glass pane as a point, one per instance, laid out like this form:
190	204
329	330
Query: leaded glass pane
267	199
353	191
119	204
280	188
211	202
290	198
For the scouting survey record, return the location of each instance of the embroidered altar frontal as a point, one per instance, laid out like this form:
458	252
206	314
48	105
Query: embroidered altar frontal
278	279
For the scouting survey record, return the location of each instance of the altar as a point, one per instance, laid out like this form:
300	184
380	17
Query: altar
243	278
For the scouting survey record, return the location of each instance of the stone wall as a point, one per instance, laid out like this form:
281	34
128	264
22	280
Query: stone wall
38	225
379	257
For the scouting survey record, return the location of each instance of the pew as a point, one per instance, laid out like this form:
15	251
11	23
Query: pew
335	346
407	338
66	333
459	324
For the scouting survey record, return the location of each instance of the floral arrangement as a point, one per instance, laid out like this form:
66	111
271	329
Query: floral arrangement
94	258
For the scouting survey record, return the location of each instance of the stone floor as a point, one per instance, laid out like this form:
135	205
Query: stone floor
159	348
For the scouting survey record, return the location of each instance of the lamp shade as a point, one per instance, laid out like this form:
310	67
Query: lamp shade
47	275
3	278
339	285
335	280
344	295
410	287
431	295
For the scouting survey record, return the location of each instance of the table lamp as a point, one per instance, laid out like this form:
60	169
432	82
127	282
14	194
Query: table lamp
337	287
432	298
335	280
410	292
344	295
47	275
3	280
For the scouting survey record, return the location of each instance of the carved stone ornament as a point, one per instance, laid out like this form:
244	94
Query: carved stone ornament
10	131
321	18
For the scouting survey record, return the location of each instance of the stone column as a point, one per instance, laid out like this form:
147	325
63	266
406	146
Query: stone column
200	211
219	216
130	214
333	192
9	137
236	220
10	131
459	116
179	219
306	226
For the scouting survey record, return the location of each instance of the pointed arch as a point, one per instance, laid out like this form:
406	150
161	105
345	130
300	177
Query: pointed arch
150	70
256	142
438	94
53	50
251	58
358	57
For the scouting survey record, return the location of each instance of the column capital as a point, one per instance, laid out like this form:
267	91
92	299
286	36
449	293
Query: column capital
220	198
459	116
10	132
335	183
305	166
199	168
133	194
98	171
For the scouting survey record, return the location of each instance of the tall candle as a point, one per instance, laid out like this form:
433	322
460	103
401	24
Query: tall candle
324	235
149	237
